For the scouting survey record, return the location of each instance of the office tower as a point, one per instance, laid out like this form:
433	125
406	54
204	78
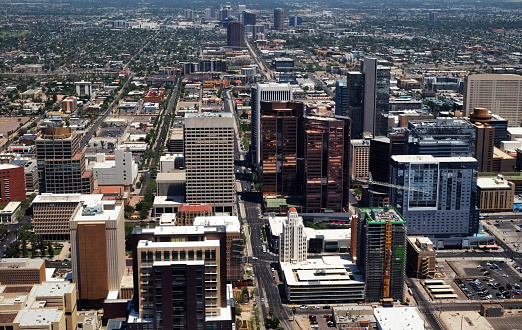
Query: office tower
83	88
53	212
433	17
326	162
241	8
209	13
176	140
500	93
235	34
484	146
189	14
441	137
295	21
444	202
341	97
279	147
484	116
279	19
360	153
12	185
61	165
421	257
98	249
209	160
381	252
293	245
355	97
180	274
248	18
225	13
495	194
264	92
376	97
123	170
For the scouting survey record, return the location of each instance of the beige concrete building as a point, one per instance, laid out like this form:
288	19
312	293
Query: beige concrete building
360	152
22	271
420	260
98	249
495	194
53	212
209	160
500	93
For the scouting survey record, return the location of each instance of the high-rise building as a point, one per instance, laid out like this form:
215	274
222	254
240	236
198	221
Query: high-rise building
264	92
181	273
376	97
248	18
341	97
98	249
279	19
484	146
12	185
442	201
326	163
279	147
433	17
360	154
295	21
209	160
441	137
293	245
61	165
123	170
354	102
500	93
189	14
235	34
83	88
381	252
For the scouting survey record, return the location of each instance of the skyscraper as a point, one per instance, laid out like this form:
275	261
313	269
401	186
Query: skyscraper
235	34
293	245
500	93
381	252
279	19
326	163
209	160
264	92
341	97
444	202
98	249
354	102
61	165
248	18
376	97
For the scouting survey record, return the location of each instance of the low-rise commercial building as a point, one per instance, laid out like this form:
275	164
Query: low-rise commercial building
495	194
8	213
22	271
420	262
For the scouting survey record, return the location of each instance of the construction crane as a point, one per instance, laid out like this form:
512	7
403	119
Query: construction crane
371	182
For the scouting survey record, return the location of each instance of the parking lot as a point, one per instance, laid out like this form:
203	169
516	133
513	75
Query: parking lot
508	230
489	280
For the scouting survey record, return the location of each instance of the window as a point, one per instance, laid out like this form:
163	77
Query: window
158	255
175	255
182	255
191	255
143	256
199	255
166	255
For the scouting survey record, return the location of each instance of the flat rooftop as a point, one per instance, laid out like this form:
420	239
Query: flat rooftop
52	289
65	198
405	318
201	244
38	317
20	263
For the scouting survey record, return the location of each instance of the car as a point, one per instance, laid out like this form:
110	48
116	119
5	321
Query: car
505	275
255	258
262	299
326	307
499	295
303	307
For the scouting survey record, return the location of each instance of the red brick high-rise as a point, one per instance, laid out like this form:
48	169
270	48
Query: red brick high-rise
12	183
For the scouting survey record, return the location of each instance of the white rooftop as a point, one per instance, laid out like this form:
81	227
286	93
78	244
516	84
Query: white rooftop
492	183
38	317
405	318
230	222
53	198
52	289
328	234
11	207
423	159
191	244
329	270
7	166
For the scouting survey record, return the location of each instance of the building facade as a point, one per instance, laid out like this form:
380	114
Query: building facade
209	160
235	34
443	194
22	271
293	244
381	252
341	97
12	183
421	257
98	249
495	194
61	165
500	93
279	19
264	92
360	165
376	97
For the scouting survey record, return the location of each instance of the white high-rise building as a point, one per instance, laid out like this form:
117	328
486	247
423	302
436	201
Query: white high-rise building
500	93
293	245
120	171
265	92
209	160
